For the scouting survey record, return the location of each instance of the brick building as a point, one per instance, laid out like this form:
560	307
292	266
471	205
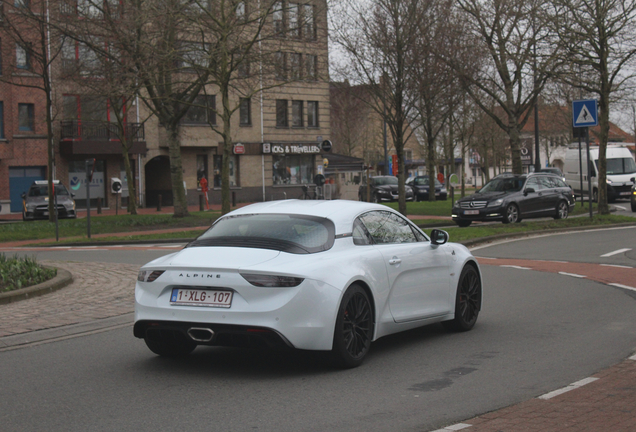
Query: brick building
277	134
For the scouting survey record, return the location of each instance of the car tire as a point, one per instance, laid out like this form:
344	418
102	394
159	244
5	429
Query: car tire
633	207
354	328
463	224
511	214
375	198
595	195
169	344
467	301
562	210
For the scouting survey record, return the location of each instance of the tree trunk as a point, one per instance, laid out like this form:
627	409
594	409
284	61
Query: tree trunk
176	172
130	180
430	167
227	152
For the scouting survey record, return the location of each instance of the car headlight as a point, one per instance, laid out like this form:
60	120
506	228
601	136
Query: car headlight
496	203
272	281
149	276
456	205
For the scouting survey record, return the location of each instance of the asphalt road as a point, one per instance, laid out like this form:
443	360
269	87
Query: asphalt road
537	332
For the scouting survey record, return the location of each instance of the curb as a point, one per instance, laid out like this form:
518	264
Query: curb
63	278
496	237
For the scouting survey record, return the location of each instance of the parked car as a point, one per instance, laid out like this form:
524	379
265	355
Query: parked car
383	188
35	202
312	275
511	198
419	185
632	198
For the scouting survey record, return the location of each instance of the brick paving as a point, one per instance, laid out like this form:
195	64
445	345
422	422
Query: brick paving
101	290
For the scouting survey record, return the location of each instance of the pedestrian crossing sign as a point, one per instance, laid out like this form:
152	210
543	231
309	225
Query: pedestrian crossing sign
584	113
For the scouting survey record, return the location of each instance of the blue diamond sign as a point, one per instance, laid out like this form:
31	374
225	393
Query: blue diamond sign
584	113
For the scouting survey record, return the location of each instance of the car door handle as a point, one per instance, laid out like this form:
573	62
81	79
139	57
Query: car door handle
394	261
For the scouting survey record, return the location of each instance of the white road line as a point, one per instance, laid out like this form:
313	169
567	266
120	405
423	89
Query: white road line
617	285
516	267
487	258
84	250
455	427
571	387
616	265
616	252
572	274
620	207
632	358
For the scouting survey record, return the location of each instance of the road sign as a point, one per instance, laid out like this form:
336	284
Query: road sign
584	113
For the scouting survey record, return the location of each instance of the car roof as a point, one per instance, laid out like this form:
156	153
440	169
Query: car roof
341	212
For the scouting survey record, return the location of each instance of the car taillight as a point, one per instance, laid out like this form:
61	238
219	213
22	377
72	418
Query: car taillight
272	281
149	276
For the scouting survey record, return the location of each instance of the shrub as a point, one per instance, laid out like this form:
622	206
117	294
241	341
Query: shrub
17	272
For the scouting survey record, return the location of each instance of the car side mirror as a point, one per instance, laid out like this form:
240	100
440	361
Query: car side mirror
439	237
23	195
633	179
528	190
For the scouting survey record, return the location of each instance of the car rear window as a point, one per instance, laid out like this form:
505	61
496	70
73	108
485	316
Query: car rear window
284	232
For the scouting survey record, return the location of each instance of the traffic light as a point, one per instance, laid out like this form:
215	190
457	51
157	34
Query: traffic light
115	185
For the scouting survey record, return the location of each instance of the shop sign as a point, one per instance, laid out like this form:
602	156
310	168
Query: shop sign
294	149
267	148
239	149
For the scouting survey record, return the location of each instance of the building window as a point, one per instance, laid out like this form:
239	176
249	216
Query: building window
408	154
21	3
281	113
22	60
277	16
202	111
25	117
294	66
311	67
202	169
193	55
246	112
292	169
1	120
218	166
241	10
244	68
312	114
294	25
297	113
309	22
280	65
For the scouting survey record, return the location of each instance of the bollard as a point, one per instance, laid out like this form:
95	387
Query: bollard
158	203
99	206
201	202
233	199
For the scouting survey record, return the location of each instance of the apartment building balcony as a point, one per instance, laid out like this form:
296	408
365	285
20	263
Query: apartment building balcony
99	138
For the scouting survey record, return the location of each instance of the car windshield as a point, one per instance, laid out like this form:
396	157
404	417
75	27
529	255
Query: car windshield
423	181
37	191
620	166
506	184
379	181
288	233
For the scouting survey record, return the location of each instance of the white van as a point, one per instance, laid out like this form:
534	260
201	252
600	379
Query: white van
620	169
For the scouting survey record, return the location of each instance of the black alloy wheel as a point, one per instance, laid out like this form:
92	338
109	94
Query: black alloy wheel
511	214
354	328
169	343
467	301
562	210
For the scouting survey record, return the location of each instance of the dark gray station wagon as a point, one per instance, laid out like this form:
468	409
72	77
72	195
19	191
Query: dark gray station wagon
510	198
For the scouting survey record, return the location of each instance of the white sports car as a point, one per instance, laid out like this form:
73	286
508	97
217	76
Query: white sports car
312	275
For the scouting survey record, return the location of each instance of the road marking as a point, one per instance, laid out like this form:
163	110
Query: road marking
616	252
572	274
617	285
516	267
84	250
571	387
620	207
615	265
632	357
455	427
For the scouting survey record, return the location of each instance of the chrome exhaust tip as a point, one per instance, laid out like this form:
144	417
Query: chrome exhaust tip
200	334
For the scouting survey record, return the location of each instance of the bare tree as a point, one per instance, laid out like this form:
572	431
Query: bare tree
378	41
349	120
520	57
27	25
598	36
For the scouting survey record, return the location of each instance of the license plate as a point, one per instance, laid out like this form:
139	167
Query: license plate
471	212
45	213
625	193
200	297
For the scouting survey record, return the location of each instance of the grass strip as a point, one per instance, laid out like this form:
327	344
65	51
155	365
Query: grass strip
21	272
